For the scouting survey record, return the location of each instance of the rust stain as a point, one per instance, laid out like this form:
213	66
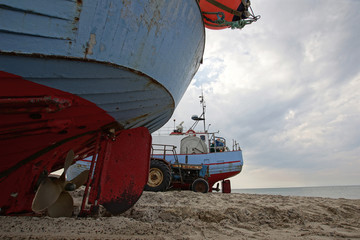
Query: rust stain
75	22
77	16
135	119
46	104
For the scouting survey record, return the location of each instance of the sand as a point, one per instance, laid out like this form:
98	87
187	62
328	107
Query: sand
190	215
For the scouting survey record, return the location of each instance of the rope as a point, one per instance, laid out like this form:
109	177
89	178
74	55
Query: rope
220	21
225	8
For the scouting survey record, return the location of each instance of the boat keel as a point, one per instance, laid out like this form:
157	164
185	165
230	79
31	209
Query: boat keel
121	171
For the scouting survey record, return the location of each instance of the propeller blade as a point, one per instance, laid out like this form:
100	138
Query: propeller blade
63	207
68	161
81	178
47	193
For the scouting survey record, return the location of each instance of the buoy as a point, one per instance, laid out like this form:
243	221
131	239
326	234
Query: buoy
219	14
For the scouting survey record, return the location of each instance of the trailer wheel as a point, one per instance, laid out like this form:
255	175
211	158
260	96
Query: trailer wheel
200	185
159	177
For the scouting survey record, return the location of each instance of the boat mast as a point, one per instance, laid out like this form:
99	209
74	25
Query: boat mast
202	116
202	101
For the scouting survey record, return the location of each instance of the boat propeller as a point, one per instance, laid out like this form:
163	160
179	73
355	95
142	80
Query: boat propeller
52	193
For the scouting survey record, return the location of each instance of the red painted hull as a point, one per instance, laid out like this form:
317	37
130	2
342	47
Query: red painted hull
220	176
211	180
38	127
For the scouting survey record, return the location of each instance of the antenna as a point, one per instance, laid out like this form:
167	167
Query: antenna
202	102
202	116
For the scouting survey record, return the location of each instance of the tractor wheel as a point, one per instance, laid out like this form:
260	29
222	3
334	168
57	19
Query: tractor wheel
159	177
200	185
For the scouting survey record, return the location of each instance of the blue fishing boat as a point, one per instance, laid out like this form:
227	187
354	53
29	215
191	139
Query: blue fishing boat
82	78
222	158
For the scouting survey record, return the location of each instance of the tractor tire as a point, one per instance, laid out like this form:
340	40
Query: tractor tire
159	177
200	185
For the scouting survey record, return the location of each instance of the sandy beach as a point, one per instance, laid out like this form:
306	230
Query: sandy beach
190	215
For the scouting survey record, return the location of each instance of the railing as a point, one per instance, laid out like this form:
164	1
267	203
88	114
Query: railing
217	144
162	149
236	146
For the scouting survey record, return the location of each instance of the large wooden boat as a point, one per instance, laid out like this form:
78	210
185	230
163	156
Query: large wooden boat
85	78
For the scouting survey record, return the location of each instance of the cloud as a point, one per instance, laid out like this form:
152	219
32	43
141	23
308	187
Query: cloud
288	89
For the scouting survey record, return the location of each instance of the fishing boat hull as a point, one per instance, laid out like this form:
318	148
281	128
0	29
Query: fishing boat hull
134	59
75	74
222	165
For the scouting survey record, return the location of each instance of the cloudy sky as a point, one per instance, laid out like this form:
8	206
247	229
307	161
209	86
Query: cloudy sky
287	88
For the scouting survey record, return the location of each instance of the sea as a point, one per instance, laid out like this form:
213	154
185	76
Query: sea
348	192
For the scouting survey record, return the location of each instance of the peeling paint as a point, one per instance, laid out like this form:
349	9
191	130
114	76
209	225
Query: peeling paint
90	45
14	195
